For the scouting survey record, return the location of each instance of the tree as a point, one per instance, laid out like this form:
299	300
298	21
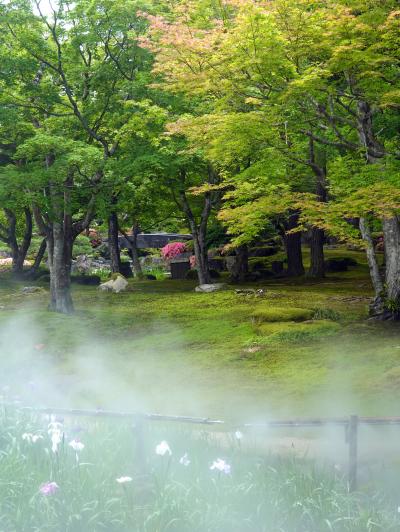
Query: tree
352	92
72	74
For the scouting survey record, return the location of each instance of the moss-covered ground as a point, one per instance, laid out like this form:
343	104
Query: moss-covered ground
304	348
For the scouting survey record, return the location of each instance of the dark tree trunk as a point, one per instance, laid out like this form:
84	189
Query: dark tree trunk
31	273
18	251
317	260
293	247
133	250
113	244
240	267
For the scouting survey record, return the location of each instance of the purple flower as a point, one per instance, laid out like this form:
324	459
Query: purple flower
49	488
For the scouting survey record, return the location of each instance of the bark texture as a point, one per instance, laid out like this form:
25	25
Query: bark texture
376	308
317	259
113	244
31	273
391	231
292	243
198	228
133	249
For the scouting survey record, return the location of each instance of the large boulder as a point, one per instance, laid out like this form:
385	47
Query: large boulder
82	264
118	284
207	288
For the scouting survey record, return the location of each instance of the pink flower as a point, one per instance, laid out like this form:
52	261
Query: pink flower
173	249
49	488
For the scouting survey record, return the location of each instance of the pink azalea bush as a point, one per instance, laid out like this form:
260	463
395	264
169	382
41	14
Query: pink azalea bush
173	249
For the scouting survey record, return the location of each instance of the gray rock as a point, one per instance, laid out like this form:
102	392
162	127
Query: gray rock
207	288
31	289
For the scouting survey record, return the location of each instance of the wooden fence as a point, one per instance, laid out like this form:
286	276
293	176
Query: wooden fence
350	424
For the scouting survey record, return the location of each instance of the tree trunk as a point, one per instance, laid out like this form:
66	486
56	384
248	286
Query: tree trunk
240	268
31	273
18	251
387	298
199	231
376	308
201	255
59	246
60	235
317	260
391	233
293	248
133	249
113	243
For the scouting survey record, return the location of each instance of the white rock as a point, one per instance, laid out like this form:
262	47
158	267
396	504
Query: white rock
116	285
210	287
120	284
106	287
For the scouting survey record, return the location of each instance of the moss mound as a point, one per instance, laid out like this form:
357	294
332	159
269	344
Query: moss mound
275	314
298	332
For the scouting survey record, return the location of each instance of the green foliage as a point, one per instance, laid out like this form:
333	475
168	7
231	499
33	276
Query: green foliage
82	246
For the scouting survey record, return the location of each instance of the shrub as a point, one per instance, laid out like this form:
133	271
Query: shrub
191	275
173	249
82	246
265	251
339	264
214	274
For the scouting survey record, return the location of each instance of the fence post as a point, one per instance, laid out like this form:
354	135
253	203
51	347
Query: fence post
140	446
352	440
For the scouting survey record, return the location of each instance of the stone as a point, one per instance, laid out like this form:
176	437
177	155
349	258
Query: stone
207	288
31	289
119	284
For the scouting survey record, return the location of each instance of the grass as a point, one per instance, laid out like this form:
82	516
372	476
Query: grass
258	494
162	347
